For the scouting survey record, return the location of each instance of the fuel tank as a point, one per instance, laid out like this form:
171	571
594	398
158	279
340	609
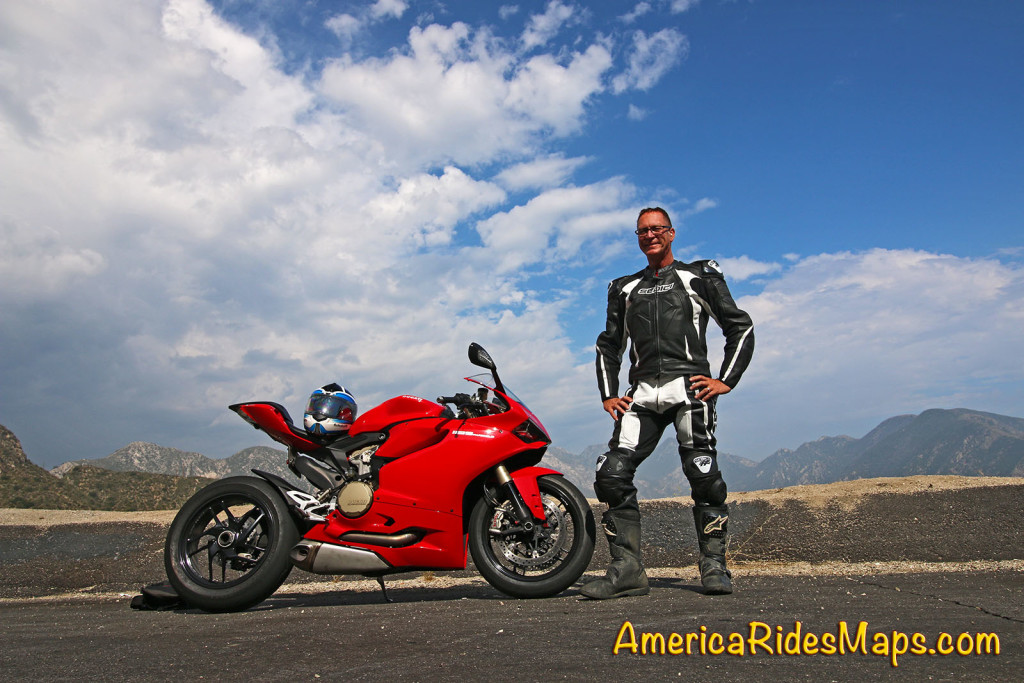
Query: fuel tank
412	423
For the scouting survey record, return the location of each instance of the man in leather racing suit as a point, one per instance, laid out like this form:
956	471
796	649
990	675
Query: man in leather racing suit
663	311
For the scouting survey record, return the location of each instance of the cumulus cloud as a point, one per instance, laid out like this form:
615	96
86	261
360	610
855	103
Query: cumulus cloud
185	223
346	26
858	337
450	98
650	58
543	27
552	226
639	10
190	224
40	259
506	12
540	173
635	113
680	6
389	8
743	267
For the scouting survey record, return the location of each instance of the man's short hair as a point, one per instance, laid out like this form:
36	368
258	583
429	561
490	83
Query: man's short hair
660	210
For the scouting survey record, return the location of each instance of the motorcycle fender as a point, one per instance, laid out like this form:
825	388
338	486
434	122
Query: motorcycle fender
526	481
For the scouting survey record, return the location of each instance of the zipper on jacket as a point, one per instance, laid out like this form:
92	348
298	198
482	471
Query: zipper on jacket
657	321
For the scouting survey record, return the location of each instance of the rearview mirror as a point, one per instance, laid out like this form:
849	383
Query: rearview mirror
479	357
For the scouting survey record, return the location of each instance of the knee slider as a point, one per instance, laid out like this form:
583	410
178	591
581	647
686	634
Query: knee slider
614	481
710	490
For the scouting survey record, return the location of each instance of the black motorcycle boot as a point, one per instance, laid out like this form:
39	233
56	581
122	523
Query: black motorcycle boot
712	530
625	575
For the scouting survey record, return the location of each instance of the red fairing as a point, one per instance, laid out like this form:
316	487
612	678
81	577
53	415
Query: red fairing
275	421
423	489
411	423
395	410
526	482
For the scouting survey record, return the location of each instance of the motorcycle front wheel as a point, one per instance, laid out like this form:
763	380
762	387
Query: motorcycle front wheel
228	547
537	563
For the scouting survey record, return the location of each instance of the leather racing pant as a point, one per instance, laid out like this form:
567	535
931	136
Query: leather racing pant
637	433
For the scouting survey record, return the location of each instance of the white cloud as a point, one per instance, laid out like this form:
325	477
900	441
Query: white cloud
457	96
743	268
389	8
540	173
543	27
348	26
345	26
506	12
703	204
552	226
636	113
639	10
650	58
433	204
858	337
37	263
680	6
183	224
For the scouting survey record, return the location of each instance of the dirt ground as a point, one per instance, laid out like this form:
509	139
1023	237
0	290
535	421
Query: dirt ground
871	526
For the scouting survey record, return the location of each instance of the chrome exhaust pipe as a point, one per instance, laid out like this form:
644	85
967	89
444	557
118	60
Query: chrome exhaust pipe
324	558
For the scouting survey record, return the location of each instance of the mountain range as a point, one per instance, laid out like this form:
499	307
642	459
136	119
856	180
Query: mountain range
23	484
140	456
960	441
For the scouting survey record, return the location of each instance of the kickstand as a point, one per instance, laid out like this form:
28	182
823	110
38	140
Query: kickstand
380	580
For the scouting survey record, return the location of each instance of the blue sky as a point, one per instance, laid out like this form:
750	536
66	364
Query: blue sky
204	203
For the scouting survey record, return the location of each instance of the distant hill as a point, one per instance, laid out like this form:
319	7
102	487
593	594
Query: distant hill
145	476
140	456
26	485
960	441
660	476
23	483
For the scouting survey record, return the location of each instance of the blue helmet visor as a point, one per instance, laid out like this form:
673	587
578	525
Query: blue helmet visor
324	406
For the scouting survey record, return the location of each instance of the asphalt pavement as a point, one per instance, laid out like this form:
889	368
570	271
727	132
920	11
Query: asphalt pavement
786	628
922	586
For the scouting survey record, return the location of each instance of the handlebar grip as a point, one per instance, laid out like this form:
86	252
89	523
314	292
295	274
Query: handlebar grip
458	400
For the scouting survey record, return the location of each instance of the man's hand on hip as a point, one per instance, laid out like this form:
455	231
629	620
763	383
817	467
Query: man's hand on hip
707	388
617	406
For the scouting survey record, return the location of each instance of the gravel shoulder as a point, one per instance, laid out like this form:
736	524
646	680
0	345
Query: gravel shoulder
919	524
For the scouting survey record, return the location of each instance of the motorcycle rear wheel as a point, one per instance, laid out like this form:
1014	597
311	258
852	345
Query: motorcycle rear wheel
228	547
538	563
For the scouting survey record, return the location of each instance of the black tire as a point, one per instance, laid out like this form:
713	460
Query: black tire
228	547
540	563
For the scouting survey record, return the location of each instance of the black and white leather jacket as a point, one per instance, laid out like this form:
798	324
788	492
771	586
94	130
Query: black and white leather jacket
665	315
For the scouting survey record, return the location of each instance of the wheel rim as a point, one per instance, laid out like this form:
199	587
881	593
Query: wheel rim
226	541
534	555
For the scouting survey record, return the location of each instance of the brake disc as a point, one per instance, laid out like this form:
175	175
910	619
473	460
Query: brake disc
542	546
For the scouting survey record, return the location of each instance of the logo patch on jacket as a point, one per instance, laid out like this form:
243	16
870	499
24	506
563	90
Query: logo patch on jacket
657	289
712	267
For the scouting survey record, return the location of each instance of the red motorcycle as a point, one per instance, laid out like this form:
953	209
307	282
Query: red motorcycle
405	489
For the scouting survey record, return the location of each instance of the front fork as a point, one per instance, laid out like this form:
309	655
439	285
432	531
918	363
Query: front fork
528	508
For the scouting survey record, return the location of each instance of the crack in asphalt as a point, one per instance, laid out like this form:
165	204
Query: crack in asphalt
953	601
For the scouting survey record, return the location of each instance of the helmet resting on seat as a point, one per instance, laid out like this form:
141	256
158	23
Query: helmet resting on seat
330	411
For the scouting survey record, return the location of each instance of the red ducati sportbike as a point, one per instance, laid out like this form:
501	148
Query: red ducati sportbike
410	485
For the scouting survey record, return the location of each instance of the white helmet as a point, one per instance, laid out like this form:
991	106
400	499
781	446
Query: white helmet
330	411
